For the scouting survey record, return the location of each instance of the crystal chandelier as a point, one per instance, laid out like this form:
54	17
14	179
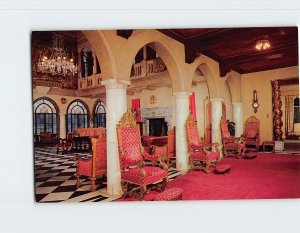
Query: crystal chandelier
58	63
262	45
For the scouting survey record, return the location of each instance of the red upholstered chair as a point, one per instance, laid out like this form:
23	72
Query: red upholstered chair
82	132
134	173
171	145
252	133
232	146
206	154
96	165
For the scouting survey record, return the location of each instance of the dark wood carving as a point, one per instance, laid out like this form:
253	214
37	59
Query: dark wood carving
277	113
124	33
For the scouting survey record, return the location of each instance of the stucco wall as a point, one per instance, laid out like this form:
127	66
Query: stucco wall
261	82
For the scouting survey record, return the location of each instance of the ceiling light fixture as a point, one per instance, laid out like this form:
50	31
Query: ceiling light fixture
58	63
262	45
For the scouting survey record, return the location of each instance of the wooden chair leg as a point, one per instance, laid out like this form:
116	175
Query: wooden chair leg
93	184
78	181
191	164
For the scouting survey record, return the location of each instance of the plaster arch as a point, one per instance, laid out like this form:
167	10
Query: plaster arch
103	52
233	80
163	48
209	70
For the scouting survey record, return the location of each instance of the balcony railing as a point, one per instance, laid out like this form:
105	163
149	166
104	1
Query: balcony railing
147	68
139	70
89	82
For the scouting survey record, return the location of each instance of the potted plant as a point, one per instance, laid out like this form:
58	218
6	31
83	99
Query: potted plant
231	127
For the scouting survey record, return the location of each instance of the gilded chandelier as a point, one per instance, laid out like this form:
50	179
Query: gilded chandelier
58	63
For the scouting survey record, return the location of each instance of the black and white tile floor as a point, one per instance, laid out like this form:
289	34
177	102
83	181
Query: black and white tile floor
55	179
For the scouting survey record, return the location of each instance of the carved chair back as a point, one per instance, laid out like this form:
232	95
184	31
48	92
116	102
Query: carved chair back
192	133
171	143
129	141
224	130
252	127
99	163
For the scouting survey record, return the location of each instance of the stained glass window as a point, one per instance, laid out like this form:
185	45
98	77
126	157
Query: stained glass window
45	116
99	114
77	116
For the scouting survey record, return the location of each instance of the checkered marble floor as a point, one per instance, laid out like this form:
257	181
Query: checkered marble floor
55	179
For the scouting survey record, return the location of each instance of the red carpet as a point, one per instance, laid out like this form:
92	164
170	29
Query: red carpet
269	176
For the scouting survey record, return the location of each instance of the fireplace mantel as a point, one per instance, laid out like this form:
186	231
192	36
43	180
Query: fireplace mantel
156	112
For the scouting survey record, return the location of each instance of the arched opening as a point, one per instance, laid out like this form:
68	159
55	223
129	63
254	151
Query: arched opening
99	114
147	62
77	116
45	116
152	100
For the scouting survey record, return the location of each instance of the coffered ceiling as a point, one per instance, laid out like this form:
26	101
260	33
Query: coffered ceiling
234	48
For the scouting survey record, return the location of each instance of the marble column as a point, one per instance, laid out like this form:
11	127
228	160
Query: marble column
62	125
116	105
216	115
237	117
181	114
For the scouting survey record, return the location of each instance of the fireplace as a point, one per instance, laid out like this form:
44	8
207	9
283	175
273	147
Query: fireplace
160	118
158	127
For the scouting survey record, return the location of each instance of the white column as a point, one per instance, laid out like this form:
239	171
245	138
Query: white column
181	114
116	105
237	117
62	125
216	115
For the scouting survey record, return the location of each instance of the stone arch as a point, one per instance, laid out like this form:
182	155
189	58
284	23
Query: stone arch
207	68
164	50
103	52
233	80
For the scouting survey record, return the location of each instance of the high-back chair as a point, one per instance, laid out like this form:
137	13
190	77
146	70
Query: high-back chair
252	133
96	165
134	173
232	146
205	154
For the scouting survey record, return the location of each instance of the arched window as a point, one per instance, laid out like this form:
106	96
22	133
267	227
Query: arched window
77	116
87	63
99	114
45	116
296	110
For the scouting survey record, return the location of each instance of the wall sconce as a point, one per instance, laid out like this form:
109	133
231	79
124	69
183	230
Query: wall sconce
255	101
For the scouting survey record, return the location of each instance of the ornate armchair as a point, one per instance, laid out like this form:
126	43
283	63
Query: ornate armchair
94	166
135	176
252	133
232	146
171	145
205	154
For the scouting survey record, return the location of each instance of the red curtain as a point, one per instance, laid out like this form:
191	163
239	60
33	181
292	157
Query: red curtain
135	104
193	104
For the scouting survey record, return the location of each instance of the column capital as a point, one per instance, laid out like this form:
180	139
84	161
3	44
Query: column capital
237	103
181	94
216	100
115	84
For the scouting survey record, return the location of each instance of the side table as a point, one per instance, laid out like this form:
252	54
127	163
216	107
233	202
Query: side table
268	143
